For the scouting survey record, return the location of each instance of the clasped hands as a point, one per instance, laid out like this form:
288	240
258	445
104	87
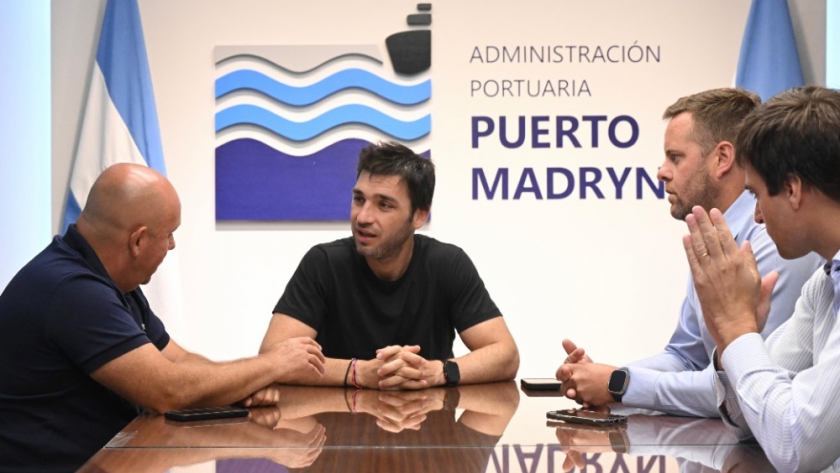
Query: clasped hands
398	367
583	380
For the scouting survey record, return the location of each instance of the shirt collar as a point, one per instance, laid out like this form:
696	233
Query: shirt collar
832	266
832	269
741	214
75	240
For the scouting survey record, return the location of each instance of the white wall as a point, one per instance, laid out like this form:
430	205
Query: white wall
609	273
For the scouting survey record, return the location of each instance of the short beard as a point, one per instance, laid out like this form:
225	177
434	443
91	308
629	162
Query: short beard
701	191
389	248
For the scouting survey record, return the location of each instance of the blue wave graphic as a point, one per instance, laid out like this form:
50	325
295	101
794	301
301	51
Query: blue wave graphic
257	182
346	79
302	131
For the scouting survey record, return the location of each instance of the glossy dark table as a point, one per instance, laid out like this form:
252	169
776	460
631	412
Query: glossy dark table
481	428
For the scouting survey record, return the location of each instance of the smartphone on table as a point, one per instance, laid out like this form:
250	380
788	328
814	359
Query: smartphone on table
206	413
582	416
540	384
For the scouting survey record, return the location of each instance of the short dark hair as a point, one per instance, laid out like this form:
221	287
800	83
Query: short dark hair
716	114
796	133
393	159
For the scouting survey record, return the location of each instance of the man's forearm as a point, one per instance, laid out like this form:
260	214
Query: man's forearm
793	419
677	393
201	382
495	362
337	371
189	357
156	382
146	378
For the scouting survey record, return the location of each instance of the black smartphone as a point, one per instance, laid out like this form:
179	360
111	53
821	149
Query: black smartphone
581	416
540	383
206	413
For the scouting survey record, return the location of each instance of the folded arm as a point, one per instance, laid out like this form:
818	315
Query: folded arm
493	357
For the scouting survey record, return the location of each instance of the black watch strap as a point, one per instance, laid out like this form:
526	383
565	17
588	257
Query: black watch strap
451	373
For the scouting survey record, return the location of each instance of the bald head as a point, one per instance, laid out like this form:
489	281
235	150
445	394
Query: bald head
130	216
126	196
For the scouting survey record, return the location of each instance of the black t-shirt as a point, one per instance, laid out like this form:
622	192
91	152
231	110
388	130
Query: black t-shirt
61	318
355	313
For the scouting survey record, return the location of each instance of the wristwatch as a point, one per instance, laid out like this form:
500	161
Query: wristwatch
451	373
619	379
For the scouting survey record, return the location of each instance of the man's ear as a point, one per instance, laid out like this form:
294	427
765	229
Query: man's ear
419	218
724	158
793	189
136	240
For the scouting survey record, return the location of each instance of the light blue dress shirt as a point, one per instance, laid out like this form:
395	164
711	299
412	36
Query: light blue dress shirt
681	379
786	392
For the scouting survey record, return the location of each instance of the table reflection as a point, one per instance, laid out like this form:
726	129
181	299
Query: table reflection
467	416
311	426
697	445
479	428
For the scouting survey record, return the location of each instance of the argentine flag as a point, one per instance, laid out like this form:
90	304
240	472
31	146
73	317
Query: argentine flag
120	125
769	60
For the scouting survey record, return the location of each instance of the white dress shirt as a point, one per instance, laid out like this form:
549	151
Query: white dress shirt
786	392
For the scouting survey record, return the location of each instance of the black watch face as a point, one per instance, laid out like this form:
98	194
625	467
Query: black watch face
617	380
451	372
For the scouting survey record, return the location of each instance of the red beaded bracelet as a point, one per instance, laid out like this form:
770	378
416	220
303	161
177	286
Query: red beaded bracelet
355	383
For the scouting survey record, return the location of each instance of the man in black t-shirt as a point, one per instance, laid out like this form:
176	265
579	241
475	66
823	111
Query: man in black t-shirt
385	303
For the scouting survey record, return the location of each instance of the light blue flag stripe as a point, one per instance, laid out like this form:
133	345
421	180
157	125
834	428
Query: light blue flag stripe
122	59
769	61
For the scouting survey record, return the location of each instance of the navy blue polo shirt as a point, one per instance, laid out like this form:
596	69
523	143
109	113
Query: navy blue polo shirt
61	318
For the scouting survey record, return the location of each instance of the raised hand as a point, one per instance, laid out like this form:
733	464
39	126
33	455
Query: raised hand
728	284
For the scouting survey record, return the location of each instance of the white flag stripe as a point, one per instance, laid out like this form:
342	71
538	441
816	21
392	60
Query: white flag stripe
104	140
